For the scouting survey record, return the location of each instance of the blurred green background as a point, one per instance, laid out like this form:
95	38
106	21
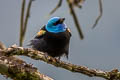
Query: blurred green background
100	48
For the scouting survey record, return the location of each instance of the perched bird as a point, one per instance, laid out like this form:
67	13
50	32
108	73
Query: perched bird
53	38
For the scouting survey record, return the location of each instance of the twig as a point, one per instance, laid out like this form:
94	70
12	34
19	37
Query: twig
27	16
58	5
77	3
75	19
17	69
100	15
22	22
112	75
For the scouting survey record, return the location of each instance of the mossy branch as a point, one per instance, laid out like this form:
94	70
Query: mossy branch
17	69
37	55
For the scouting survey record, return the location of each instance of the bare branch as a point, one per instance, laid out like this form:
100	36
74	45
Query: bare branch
112	75
27	16
77	3
100	15
22	22
75	19
58	5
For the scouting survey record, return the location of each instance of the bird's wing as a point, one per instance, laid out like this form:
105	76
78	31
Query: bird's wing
41	32
38	38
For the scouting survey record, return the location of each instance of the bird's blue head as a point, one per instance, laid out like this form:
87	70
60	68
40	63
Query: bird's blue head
56	25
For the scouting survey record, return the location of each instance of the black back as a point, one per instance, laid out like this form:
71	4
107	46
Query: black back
54	44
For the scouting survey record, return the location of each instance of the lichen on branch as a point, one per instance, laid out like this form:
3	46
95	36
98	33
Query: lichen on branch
18	69
37	55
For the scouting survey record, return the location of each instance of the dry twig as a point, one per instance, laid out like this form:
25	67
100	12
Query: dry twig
100	15
23	23
58	5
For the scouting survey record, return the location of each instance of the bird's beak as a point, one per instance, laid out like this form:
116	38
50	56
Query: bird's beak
62	20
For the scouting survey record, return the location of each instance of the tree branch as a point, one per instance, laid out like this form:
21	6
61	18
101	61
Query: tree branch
17	69
14	50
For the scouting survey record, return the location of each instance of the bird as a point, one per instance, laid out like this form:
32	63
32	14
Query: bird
53	38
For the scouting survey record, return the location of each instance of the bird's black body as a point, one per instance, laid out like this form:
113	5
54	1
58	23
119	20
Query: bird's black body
54	44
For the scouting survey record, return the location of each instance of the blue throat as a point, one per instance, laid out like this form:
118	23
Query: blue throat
50	27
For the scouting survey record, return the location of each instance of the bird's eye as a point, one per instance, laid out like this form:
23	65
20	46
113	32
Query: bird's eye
56	23
60	21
